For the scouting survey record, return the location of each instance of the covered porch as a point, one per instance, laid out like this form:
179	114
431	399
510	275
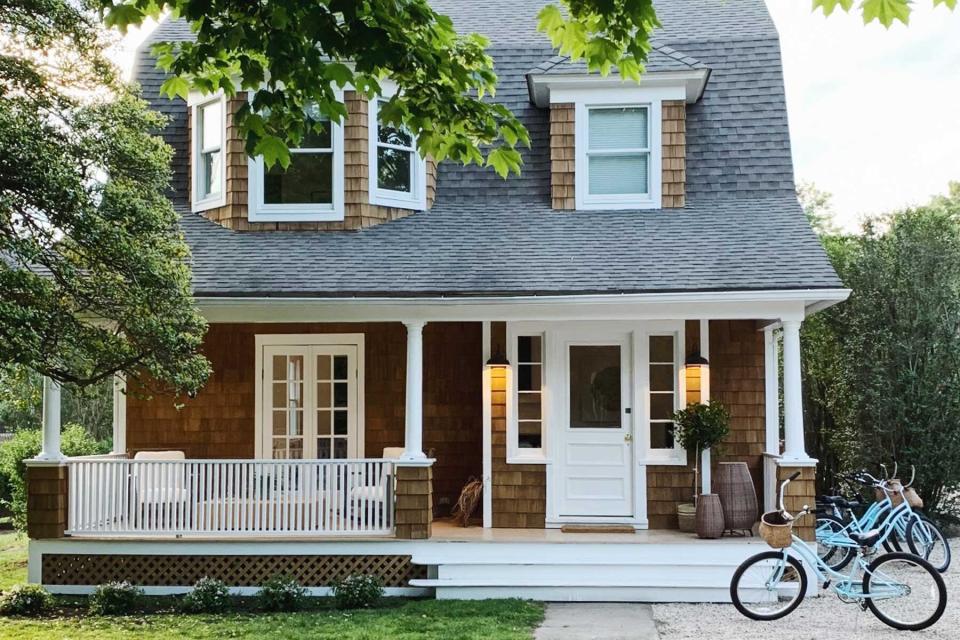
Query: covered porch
363	420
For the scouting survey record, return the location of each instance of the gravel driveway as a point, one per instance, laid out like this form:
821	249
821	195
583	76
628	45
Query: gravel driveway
815	619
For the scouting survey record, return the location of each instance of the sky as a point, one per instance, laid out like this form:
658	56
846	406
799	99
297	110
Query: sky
874	113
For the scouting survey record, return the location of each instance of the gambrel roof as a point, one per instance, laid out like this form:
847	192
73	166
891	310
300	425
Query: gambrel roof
741	229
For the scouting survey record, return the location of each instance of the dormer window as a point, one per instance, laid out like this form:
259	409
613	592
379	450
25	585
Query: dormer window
209	126
618	156
398	174
310	189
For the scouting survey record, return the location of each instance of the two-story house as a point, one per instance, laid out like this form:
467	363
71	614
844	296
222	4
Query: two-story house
384	328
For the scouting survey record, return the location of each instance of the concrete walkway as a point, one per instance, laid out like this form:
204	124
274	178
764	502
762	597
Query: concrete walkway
600	621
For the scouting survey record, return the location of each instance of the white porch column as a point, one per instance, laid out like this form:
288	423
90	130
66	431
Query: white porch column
706	481
487	418
771	372
413	434
794	449
50	438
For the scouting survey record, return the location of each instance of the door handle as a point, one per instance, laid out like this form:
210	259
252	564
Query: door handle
628	437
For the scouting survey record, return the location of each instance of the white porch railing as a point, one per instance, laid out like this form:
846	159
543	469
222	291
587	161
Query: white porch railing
120	497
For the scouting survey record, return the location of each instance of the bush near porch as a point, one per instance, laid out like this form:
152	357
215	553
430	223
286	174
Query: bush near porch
396	618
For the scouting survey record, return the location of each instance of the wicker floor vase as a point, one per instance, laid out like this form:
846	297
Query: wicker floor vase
738	496
709	516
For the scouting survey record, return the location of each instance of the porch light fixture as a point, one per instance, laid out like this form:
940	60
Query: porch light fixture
497	361
696	360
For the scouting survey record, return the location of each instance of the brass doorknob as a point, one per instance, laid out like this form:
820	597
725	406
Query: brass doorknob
628	437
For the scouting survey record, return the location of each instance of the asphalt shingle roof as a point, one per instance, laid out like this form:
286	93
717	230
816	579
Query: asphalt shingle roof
742	227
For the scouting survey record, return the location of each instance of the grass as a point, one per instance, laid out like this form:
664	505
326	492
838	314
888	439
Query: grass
396	619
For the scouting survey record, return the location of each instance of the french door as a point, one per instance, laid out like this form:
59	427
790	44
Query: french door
310	402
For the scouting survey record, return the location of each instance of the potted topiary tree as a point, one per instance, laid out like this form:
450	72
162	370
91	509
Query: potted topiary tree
699	427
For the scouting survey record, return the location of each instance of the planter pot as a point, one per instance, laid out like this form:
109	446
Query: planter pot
737	495
687	517
709	516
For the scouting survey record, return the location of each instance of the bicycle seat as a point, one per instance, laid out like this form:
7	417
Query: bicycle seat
841	502
867	538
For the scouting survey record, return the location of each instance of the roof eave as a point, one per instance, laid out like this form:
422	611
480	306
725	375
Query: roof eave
541	85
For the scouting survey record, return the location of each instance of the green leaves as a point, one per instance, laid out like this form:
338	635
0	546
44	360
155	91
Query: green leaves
886	11
504	161
828	6
175	86
273	150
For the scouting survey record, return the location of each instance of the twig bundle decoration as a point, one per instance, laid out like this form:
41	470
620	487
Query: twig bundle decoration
468	501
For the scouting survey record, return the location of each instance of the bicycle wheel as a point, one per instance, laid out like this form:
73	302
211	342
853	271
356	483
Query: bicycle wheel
904	591
927	541
768	586
835	557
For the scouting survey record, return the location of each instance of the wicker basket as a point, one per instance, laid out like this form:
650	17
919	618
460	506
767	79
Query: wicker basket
775	530
687	517
893	490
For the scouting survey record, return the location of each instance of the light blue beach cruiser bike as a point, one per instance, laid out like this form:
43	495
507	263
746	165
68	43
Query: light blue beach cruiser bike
901	526
903	590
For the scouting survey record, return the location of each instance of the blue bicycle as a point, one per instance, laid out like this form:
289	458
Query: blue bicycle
893	515
900	589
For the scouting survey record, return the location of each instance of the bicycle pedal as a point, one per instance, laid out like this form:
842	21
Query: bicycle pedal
826	585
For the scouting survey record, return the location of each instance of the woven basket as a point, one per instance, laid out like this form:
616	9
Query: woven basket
687	517
776	531
737	495
893	490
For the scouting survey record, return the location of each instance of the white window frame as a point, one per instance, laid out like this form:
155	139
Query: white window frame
585	98
516	454
677	455
259	211
261	448
416	198
196	103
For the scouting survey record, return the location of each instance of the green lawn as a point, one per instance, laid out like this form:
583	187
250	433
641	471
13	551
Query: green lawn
413	619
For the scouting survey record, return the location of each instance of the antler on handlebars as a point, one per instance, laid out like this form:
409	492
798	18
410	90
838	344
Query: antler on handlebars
913	476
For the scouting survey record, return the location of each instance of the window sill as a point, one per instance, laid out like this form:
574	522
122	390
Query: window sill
664	462
527	458
398	200
296	216
594	204
210	203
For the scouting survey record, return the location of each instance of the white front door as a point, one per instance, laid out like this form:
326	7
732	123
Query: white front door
309	402
596	429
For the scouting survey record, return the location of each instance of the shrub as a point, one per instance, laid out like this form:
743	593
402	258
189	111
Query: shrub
357	592
25	444
208	596
282	593
115	599
25	600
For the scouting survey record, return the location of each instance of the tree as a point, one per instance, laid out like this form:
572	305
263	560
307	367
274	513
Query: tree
94	277
882	370
294	55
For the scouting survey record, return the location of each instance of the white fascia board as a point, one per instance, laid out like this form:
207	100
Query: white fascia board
754	305
547	88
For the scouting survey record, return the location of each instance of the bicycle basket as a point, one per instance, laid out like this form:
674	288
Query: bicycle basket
775	530
893	490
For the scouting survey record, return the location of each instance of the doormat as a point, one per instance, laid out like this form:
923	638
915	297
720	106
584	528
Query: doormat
597	528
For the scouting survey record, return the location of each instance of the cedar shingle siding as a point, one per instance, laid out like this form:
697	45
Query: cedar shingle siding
674	142
358	212
219	422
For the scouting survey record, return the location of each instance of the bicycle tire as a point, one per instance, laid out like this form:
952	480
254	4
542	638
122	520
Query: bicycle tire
838	557
935	530
920	562
767	555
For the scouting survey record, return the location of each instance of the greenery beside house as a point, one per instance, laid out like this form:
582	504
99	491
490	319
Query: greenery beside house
882	370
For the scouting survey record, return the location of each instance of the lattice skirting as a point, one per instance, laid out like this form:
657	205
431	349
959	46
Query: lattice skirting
235	571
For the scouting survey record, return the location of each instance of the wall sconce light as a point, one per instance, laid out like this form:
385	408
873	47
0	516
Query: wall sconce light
696	360
497	361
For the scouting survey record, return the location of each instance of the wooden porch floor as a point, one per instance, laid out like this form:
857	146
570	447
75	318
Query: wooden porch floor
447	531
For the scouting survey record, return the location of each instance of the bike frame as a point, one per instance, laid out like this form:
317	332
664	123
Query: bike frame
891	520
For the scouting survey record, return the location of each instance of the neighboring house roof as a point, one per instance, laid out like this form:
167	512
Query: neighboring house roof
742	227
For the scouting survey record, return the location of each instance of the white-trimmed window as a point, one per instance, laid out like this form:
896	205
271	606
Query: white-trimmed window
528	407
209	127
398	174
663	397
310	189
618	155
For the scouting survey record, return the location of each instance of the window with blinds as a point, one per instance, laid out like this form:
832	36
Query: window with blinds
618	151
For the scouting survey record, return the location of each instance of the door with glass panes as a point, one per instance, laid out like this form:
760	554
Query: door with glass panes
310	402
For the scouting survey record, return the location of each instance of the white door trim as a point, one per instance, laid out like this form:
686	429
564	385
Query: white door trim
308	340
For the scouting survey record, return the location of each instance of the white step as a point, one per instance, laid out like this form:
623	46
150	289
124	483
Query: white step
585	594
590	574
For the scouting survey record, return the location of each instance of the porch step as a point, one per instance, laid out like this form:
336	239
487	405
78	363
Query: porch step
616	572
